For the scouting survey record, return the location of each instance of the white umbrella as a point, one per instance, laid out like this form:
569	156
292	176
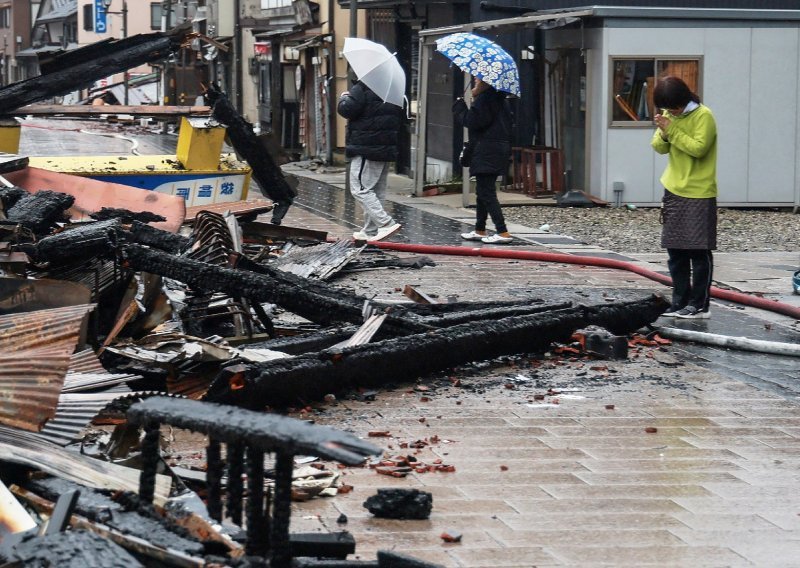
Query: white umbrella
377	68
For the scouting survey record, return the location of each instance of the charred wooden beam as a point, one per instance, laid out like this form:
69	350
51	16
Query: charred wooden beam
478	315
317	341
134	110
10	195
40	211
310	299
266	172
78	69
151	236
80	243
403	359
117	513
126	216
256	430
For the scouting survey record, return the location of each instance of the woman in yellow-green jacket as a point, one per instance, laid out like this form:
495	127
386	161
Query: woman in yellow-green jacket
688	133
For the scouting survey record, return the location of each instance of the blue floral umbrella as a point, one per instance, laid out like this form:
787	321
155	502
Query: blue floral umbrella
483	59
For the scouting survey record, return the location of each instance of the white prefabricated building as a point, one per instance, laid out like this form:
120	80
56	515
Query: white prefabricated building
744	64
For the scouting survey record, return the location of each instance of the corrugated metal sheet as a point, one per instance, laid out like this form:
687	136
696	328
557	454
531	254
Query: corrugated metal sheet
320	261
31	450
77	410
235	207
35	350
97	275
77	382
85	361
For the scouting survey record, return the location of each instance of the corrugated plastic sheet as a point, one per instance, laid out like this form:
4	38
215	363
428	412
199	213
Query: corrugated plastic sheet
35	351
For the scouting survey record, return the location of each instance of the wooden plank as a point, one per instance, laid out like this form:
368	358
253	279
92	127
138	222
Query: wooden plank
134	110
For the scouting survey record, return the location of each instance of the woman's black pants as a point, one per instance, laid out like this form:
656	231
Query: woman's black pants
487	204
691	271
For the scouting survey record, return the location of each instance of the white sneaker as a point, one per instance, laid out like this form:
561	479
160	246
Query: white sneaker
496	239
360	236
384	232
472	236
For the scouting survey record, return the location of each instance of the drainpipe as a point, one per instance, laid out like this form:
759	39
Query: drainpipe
237	56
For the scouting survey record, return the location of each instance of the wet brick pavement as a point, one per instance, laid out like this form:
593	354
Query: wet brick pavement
574	483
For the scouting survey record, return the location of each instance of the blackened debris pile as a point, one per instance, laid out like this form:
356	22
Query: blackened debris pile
400	504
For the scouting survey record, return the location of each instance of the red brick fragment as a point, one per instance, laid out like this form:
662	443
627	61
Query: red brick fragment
345	488
651	429
503	468
538	397
424	399
379	434
609	407
451	535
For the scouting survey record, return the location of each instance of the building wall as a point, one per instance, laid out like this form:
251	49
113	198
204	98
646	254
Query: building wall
341	27
138	22
749	78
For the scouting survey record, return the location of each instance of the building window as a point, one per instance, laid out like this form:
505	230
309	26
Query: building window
5	17
633	81
157	12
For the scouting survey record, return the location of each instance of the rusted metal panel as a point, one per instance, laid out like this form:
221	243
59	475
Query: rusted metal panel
85	361
92	195
23	295
35	350
30	382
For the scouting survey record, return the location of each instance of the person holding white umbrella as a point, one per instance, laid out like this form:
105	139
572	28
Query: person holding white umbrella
374	113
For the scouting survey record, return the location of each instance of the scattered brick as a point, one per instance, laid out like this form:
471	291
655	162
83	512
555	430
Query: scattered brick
379	434
651	429
451	535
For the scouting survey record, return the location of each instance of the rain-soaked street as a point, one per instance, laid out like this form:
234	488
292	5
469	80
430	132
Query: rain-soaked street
675	454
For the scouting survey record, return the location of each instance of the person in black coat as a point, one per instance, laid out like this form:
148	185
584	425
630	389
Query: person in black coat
487	154
372	132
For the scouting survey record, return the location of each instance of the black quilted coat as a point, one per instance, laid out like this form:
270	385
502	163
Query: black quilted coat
372	125
488	121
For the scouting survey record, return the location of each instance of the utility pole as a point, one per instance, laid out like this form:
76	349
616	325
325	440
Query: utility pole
353	31
124	14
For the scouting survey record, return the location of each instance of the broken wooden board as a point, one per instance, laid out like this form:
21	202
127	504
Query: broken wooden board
133	110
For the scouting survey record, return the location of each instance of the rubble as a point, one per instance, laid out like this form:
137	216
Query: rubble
400	504
118	309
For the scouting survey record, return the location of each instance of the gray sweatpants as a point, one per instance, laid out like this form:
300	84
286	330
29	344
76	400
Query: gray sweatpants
368	185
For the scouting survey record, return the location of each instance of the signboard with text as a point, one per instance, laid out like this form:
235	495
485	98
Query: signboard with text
100	26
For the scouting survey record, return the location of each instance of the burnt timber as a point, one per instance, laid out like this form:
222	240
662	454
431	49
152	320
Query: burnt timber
265	171
402	359
78	69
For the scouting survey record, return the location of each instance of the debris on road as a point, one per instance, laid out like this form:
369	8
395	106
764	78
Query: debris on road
400	504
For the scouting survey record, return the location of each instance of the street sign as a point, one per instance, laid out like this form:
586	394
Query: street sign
99	17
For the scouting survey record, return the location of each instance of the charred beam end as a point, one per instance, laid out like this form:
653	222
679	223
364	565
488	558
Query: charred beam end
82	67
143	233
265	432
266	172
40	211
83	242
403	359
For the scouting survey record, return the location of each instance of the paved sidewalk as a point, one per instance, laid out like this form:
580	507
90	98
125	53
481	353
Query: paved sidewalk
546	473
